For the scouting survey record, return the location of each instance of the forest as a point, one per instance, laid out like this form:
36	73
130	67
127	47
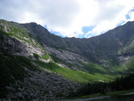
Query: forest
119	84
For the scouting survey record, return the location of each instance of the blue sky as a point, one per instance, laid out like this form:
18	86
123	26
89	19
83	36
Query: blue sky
86	29
70	18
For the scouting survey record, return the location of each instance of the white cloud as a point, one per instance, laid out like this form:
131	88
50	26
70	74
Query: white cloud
101	28
110	13
69	16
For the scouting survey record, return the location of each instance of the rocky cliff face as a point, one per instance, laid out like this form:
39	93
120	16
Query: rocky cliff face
23	78
18	47
35	62
58	47
40	85
15	40
96	49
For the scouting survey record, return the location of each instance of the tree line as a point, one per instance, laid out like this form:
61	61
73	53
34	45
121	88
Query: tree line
120	83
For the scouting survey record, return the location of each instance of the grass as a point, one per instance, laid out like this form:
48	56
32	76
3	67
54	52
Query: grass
18	32
45	57
15	63
15	28
125	68
94	68
12	68
74	75
22	37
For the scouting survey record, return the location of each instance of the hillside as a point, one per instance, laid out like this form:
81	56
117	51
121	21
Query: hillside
101	46
34	60
113	48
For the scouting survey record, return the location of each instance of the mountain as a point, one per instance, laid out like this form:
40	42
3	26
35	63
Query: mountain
114	46
36	64
120	37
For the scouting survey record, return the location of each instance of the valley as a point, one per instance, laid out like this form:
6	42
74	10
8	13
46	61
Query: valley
34	60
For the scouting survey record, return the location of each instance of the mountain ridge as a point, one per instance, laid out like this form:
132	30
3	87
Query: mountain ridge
31	55
91	47
101	49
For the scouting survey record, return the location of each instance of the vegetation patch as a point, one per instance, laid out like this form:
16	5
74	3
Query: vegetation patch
24	37
125	69
36	56
94	68
118	86
115	93
45	57
12	68
74	75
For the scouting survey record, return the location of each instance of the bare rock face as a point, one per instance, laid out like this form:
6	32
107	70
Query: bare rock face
10	44
32	84
40	85
4	27
15	40
32	39
95	49
68	57
18	47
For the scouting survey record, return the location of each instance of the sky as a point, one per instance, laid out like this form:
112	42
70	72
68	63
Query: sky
70	18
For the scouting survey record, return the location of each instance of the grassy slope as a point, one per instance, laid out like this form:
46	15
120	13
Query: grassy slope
12	66
126	68
18	32
119	86
94	68
75	75
95	72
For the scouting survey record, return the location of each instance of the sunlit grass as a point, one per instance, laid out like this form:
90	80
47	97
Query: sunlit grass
45	57
74	75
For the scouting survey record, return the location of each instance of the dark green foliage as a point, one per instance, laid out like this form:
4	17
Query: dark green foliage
36	55
12	68
103	49
114	61
122	83
94	68
124	69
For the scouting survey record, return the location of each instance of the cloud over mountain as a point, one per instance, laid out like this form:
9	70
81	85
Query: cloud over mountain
68	17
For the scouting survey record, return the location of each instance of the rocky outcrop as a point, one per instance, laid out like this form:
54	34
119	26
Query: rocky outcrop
33	41
95	49
36	83
18	47
69	57
40	85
